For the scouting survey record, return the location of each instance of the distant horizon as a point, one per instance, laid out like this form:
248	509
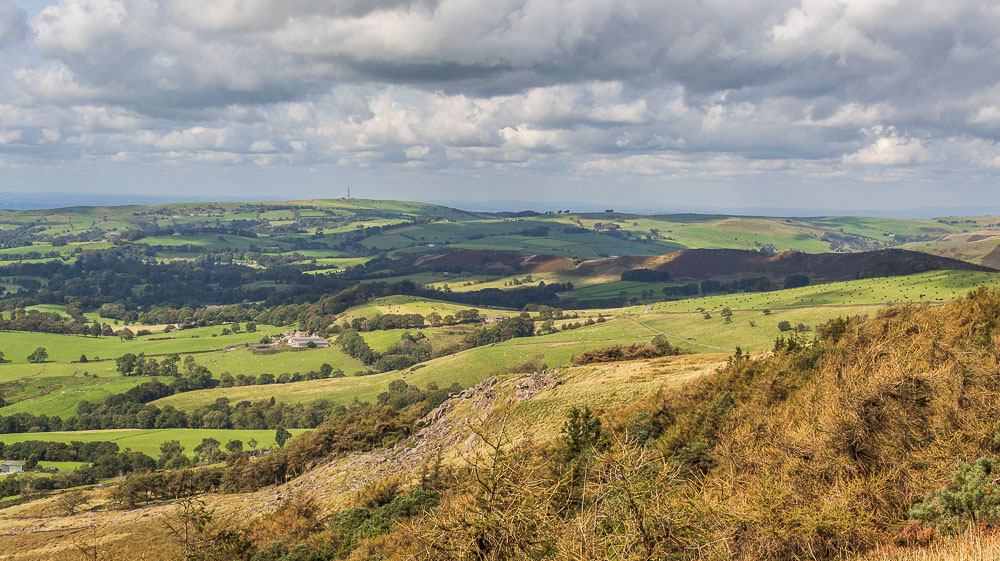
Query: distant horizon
18	200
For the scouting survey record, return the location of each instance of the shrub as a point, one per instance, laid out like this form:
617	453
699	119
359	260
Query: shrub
616	353
695	458
974	499
378	492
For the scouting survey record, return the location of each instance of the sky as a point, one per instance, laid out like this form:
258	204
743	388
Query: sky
853	104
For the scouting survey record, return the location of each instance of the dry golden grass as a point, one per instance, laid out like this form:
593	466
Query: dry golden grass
976	546
604	387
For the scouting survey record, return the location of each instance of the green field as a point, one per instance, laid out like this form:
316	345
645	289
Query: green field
213	242
934	286
56	388
61	466
16	345
244	361
411	305
59	395
474	282
616	288
692	331
148	441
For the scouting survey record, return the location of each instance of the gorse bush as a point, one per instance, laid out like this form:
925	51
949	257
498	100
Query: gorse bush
974	498
614	353
351	526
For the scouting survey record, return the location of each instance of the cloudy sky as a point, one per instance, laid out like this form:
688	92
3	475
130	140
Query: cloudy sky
856	104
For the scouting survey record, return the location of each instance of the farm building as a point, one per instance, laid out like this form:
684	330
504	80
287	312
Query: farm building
12	466
300	342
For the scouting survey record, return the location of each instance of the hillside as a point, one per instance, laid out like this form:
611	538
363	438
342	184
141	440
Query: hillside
724	264
815	450
538	401
330	234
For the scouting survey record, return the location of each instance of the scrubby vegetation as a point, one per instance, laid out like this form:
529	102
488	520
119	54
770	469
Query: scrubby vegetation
659	347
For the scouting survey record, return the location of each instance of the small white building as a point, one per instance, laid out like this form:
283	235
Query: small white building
12	466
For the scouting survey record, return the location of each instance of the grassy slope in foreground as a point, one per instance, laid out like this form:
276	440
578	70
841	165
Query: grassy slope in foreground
148	441
604	386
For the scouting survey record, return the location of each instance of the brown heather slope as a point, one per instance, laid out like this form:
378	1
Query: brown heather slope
820	452
716	264
721	264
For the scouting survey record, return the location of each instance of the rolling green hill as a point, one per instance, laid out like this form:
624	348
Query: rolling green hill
340	231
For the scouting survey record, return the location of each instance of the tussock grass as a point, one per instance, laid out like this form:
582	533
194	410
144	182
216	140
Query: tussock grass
976	546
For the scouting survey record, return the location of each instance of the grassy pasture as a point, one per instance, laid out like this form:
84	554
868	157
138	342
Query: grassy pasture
342	262
244	361
10	372
690	330
876	228
584	246
746	233
61	310
468	284
974	251
17	345
59	395
56	388
148	441
933	286
380	341
401	304
417	278
317	253
438	337
213	242
62	466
